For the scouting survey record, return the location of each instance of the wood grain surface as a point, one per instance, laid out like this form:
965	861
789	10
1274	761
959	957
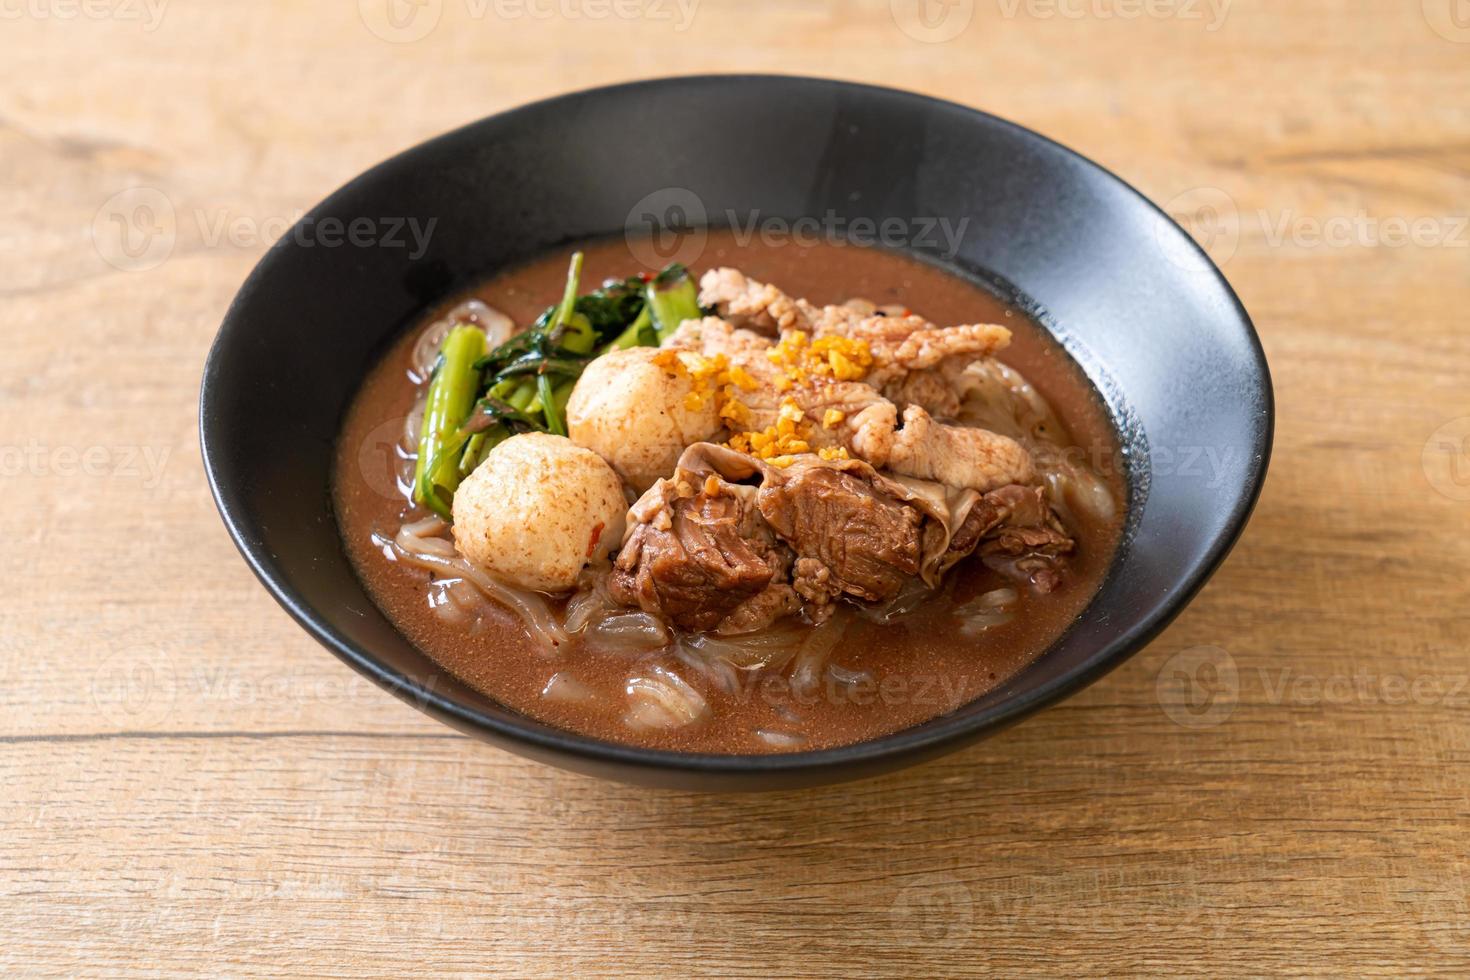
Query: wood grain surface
189	786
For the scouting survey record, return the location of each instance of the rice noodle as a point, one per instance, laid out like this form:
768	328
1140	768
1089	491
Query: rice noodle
428	527
407	468
986	612
447	600
592	601
413	425
416	546
1077	488
497	327
426	349
998	397
631	631
567	689
439	595
786	714
780	739
1002	598
582	610
464	601
849	679
815	649
974	626
718	672
408	441
422	537
768	649
613	627
661	699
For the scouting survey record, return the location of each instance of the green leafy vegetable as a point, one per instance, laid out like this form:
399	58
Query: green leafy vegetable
611	308
478	399
490	411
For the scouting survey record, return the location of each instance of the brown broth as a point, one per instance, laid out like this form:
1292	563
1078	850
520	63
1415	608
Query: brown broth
921	667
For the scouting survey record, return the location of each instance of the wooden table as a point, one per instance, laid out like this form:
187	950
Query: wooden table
188	785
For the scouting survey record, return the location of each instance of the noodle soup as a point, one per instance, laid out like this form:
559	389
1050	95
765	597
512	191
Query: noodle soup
865	542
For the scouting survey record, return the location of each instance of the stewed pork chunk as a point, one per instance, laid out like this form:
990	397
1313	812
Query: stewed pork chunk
730	541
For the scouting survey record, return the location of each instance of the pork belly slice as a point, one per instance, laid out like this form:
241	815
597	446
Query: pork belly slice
915	362
955	455
856	416
753	305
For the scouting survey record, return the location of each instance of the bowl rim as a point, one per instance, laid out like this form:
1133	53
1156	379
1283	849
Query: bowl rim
892	749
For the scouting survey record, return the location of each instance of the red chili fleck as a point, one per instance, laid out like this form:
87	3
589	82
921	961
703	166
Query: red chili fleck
596	536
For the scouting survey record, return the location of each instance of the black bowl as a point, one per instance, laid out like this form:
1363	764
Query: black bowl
1144	312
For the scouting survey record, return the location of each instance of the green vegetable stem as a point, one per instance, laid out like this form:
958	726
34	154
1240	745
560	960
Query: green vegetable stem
452	393
673	298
